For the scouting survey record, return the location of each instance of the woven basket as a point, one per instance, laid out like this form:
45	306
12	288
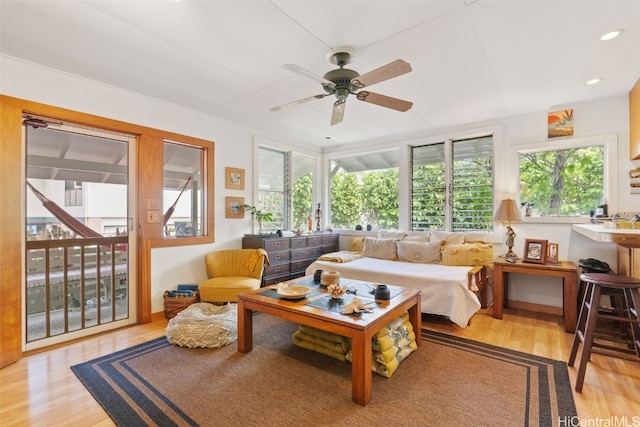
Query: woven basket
173	306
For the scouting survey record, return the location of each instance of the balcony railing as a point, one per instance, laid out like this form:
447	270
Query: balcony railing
75	284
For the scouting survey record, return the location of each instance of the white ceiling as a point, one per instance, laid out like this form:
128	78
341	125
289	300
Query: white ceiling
472	60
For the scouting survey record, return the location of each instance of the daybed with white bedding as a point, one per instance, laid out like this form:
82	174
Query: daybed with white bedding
433	267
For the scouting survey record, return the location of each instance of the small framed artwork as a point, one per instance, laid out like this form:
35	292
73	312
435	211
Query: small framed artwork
234	178
535	251
560	123
552	253
234	207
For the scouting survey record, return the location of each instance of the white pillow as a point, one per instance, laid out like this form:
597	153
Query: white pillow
380	248
391	234
420	236
450	237
425	253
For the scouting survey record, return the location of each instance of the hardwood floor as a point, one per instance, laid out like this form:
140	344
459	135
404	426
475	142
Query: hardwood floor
40	389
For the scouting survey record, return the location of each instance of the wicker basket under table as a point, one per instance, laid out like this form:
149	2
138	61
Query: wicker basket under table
173	305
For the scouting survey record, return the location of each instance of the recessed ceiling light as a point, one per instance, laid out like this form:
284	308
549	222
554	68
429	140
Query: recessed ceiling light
610	35
594	81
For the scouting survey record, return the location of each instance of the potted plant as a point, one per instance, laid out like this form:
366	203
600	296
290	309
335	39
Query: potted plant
259	215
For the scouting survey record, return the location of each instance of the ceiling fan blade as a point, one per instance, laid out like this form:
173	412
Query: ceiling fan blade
384	101
386	72
299	101
299	70
338	111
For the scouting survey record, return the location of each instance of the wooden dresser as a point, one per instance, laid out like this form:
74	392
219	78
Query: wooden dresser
290	256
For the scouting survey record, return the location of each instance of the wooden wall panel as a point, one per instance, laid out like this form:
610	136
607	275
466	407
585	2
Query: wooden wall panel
11	233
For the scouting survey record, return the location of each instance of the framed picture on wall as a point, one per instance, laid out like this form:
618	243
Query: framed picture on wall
552	253
234	178
234	207
560	123
535	251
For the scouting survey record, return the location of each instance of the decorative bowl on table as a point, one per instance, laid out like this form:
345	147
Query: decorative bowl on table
293	291
329	278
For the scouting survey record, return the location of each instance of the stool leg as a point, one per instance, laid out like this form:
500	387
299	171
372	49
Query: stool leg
633	299
582	318
587	343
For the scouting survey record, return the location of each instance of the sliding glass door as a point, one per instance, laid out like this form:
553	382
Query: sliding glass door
78	232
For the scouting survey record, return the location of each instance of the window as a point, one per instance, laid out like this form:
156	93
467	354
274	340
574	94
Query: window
364	190
452	185
73	193
273	186
302	200
570	180
285	188
183	190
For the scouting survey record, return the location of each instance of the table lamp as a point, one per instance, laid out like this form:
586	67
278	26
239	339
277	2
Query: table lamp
508	212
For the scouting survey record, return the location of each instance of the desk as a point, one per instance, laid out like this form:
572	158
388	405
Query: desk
628	241
566	270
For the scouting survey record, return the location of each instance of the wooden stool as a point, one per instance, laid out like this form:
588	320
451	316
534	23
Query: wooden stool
590	313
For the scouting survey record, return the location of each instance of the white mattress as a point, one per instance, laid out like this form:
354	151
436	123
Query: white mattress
443	288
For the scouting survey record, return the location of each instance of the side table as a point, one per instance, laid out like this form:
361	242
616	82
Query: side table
566	270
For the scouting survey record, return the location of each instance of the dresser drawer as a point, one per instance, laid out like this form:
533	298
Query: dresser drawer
330	243
329	248
314	241
275	279
276	270
300	266
330	239
298	242
274	244
279	257
306	253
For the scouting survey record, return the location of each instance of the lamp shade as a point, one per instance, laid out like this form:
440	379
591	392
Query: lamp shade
508	212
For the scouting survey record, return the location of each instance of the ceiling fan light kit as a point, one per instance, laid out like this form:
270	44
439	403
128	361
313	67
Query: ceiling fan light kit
341	82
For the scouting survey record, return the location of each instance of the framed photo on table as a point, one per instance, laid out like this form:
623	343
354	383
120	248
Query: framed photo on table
535	251
552	253
234	207
234	178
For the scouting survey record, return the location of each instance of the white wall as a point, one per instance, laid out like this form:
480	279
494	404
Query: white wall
234	145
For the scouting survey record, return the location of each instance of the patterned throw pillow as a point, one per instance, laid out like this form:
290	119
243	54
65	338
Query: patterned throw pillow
468	254
425	253
380	248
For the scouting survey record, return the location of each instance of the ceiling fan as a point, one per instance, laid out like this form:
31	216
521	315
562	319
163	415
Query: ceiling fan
342	81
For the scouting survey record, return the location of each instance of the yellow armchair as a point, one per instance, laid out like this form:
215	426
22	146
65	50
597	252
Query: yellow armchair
232	272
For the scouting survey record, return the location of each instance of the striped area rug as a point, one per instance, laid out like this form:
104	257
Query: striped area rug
449	381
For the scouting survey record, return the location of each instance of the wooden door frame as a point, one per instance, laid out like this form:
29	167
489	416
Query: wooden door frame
149	169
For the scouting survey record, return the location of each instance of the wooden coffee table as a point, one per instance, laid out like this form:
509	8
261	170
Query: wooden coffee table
360	328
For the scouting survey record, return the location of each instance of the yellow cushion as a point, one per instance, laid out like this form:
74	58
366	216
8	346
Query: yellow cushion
225	289
468	254
356	244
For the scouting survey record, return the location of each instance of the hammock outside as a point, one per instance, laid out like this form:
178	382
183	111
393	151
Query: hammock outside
169	211
63	216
